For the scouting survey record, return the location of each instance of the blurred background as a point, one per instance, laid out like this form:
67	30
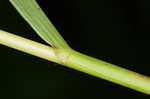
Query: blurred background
115	31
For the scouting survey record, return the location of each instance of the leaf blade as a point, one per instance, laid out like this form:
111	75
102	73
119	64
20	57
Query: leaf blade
33	14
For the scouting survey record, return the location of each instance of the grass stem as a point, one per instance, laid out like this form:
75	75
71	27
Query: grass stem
80	62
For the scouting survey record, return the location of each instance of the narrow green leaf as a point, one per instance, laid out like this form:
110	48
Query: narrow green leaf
33	14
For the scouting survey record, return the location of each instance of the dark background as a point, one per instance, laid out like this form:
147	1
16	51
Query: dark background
116	31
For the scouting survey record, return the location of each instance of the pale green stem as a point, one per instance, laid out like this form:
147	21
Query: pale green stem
78	61
27	46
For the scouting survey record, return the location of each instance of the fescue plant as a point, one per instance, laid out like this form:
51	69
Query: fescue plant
60	52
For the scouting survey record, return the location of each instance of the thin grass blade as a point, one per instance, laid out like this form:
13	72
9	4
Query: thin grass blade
34	15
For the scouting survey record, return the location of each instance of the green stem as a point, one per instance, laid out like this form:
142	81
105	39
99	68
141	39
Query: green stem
109	72
27	46
78	61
